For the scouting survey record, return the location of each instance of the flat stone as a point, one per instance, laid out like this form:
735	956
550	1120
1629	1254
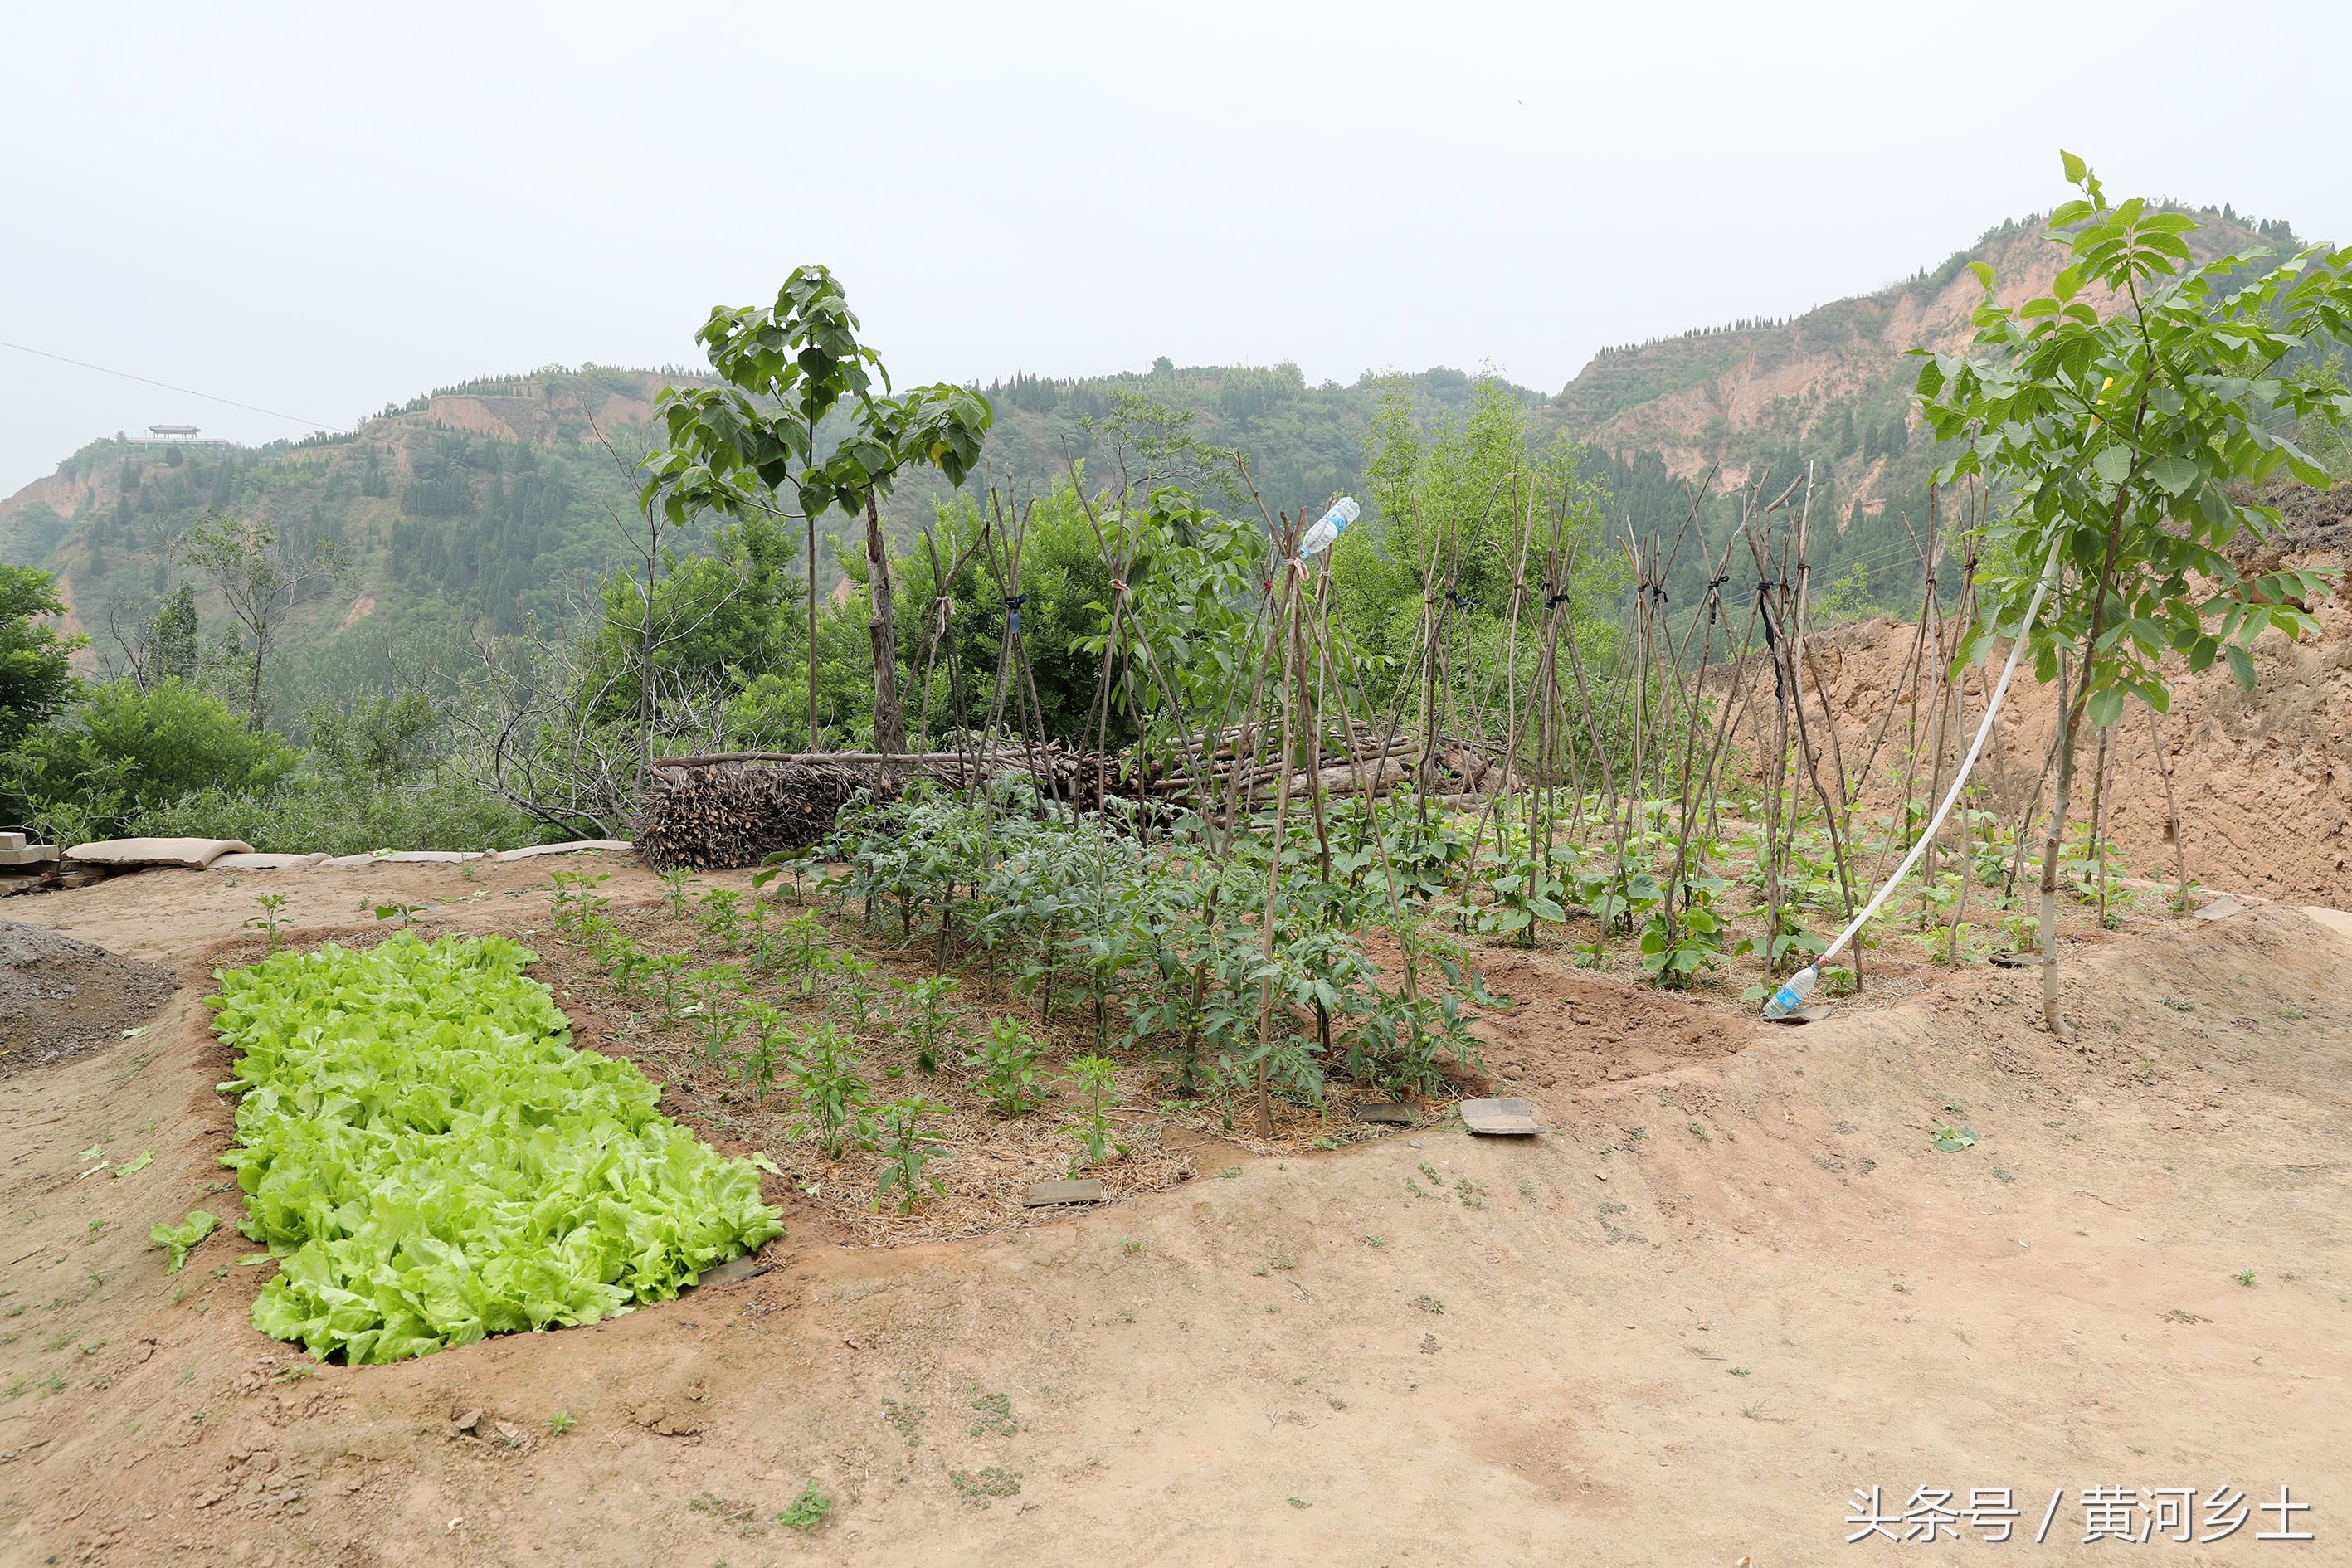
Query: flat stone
2016	960
25	854
12	841
1046	1194
265	862
573	847
1504	1118
2220	908
1387	1113
407	858
744	1268
1813	1015
195	853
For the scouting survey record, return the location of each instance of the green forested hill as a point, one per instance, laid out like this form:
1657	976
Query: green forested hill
494	503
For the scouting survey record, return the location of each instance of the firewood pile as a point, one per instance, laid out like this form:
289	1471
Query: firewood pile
732	814
1369	762
731	809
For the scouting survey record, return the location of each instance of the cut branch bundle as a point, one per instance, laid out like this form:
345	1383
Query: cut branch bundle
733	813
1368	763
730	809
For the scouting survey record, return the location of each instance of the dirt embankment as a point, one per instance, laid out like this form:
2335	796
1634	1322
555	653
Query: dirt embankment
2264	779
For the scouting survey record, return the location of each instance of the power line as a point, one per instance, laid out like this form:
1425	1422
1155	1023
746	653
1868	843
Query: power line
187	391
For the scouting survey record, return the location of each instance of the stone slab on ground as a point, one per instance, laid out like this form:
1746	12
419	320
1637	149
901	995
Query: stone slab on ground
25	854
572	847
452	857
747	1267
1046	1194
1509	1117
406	858
122	854
265	862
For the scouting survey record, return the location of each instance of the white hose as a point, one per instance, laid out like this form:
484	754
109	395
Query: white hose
1984	731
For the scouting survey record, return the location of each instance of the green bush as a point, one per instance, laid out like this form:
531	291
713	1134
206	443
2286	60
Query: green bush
36	662
324	816
430	1160
121	751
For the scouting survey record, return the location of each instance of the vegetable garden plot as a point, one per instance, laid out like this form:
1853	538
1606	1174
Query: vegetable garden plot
800	1032
431	1161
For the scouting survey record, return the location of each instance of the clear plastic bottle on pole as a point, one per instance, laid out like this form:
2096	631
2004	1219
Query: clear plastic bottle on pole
1791	998
1327	529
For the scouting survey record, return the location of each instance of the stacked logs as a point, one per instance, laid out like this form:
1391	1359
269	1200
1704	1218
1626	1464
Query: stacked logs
732	814
1368	762
731	809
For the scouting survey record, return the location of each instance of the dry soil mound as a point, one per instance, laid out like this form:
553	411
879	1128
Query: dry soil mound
59	996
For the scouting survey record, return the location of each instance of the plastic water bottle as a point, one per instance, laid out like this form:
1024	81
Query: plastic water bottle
1791	998
1326	531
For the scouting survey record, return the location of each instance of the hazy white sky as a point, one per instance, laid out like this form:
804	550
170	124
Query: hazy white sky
317	209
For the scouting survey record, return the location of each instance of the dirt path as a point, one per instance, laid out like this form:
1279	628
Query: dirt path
1680	1330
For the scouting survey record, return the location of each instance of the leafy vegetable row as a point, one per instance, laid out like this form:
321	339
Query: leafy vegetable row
431	1161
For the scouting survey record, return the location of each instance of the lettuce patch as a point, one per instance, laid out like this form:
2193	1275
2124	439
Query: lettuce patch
431	1161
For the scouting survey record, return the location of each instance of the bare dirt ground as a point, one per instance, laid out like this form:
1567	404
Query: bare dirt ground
1681	1328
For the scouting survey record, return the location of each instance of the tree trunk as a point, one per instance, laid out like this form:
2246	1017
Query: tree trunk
2049	921
889	724
253	715
2075	699
645	655
2172	816
813	743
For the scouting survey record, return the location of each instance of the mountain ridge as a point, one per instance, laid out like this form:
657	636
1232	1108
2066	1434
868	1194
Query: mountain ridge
496	498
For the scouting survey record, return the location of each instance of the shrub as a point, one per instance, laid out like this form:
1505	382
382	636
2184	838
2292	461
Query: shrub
36	662
315	817
122	751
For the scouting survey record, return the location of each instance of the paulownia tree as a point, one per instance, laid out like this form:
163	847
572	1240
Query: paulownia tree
751	444
2120	415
